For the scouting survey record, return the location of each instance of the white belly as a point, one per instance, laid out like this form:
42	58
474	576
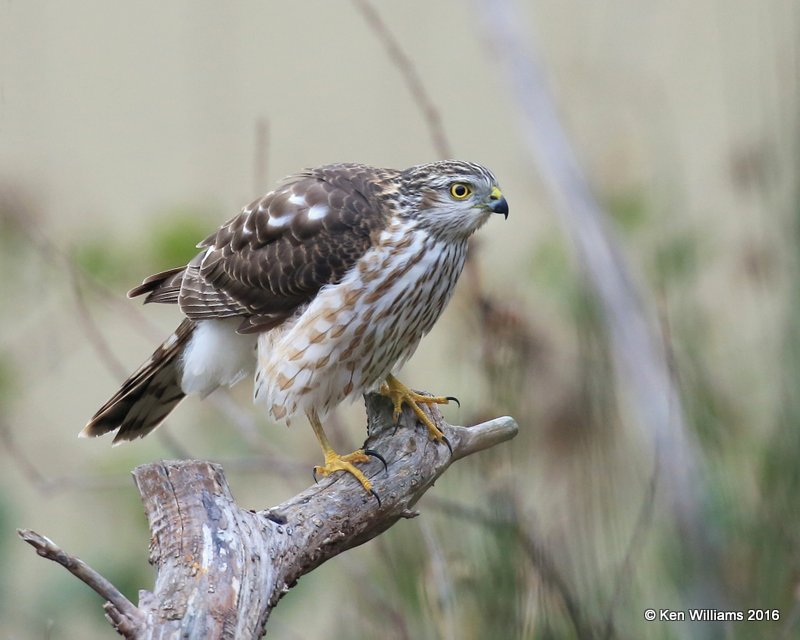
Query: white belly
354	333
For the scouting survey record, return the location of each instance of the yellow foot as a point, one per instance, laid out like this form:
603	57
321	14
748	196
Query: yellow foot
335	462
400	393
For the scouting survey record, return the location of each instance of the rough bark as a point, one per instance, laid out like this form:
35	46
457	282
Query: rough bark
221	569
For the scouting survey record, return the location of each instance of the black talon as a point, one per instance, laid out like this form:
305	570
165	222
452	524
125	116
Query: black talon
314	474
454	399
447	442
375	454
377	497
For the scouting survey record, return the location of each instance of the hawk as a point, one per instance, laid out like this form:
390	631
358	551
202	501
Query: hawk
322	288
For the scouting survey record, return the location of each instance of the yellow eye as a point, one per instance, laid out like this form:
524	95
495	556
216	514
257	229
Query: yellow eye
460	190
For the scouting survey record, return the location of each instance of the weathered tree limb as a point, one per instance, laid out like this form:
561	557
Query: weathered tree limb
221	569
121	612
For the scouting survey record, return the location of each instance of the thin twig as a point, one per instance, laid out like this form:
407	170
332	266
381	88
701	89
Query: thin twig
542	561
408	70
77	567
50	486
546	567
441	581
26	466
53	254
92	332
644	518
375	598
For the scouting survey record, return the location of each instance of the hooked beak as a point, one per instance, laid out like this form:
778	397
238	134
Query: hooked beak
497	203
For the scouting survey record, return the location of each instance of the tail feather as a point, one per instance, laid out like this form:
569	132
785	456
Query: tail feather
148	396
162	287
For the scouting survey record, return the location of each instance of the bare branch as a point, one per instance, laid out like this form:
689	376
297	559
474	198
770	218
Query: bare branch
128	619
26	466
408	70
641	526
23	216
640	361
92	331
221	569
543	563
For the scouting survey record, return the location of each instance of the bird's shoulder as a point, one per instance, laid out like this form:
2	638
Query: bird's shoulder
343	198
275	255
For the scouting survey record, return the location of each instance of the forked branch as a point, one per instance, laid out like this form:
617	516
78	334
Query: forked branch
221	569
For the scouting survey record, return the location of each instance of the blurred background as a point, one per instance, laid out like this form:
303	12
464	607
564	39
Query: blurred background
128	132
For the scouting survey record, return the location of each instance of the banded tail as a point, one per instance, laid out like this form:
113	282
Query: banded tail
148	396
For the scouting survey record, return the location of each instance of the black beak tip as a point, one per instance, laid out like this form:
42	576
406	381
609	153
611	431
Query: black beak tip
500	206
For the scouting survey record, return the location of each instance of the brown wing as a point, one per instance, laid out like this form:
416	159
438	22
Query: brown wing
280	250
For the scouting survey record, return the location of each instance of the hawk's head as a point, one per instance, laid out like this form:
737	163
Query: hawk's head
451	198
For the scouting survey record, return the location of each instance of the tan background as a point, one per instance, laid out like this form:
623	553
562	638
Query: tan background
114	116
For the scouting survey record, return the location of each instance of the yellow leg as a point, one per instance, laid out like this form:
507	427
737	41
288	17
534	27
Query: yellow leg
337	462
400	393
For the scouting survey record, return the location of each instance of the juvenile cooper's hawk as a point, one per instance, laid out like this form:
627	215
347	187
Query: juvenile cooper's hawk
324	287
